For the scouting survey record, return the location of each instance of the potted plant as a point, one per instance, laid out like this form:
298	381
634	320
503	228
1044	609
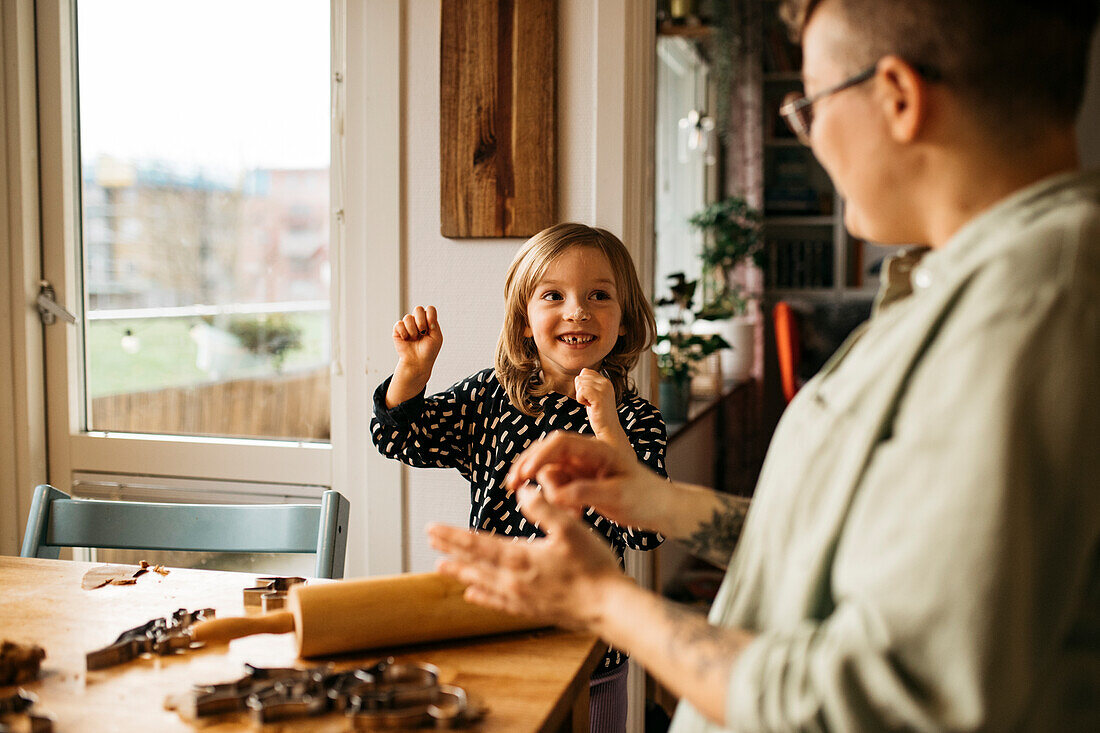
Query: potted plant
732	229
679	351
677	363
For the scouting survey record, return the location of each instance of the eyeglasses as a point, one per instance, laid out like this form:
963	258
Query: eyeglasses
797	109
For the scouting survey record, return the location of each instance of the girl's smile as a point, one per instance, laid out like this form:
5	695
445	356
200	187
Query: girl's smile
574	316
578	340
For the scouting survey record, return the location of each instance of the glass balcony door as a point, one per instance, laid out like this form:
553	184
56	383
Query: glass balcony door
187	214
203	133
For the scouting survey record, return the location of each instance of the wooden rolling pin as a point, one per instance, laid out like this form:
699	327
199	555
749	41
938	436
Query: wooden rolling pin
354	615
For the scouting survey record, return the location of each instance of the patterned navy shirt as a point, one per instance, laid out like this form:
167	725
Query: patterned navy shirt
473	427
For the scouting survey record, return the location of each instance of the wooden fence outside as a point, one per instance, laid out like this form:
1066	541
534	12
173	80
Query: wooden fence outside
292	406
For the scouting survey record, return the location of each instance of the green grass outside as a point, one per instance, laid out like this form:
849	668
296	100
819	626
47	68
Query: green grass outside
167	354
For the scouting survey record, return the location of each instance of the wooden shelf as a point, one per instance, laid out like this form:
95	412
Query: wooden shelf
701	406
783	293
840	294
684	30
814	220
719	445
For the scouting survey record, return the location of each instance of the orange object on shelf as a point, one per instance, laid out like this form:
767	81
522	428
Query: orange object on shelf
787	347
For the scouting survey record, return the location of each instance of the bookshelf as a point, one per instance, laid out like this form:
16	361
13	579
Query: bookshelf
810	255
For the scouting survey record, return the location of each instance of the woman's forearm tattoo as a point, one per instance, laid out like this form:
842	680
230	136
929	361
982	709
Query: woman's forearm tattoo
714	538
706	649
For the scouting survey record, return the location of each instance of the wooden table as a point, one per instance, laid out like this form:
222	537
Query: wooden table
531	681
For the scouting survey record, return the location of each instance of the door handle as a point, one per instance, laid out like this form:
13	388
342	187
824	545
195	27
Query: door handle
49	310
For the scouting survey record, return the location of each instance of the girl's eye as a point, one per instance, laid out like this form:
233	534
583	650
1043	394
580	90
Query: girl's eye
601	295
551	295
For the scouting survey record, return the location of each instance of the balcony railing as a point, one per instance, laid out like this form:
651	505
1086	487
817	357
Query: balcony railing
183	373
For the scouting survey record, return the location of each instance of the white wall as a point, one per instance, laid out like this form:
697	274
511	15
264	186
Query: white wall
464	278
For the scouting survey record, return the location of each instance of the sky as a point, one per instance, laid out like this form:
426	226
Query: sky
221	85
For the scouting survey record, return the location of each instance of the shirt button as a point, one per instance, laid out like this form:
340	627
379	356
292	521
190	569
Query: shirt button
922	278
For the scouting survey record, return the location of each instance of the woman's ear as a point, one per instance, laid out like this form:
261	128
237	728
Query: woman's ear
903	95
527	332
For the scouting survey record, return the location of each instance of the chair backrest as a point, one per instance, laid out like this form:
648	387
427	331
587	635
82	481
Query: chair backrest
787	347
57	520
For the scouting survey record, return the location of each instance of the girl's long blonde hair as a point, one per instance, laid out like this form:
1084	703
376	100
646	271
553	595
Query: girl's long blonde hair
517	359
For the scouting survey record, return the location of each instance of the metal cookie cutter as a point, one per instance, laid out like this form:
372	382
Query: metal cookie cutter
392	696
270	593
162	636
293	696
231	697
20	703
407	695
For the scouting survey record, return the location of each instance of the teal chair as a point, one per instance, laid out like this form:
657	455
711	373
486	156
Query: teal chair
57	521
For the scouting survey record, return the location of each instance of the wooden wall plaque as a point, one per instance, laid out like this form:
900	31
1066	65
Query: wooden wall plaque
497	103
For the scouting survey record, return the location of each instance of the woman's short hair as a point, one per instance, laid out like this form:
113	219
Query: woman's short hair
1020	63
517	360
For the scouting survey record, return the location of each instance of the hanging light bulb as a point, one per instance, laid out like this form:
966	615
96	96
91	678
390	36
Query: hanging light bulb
697	142
696	132
697	137
130	343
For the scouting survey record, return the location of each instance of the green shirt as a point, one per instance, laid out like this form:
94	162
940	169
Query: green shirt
923	549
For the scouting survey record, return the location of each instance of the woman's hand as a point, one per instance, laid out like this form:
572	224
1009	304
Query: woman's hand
570	578
597	394
577	471
417	339
563	577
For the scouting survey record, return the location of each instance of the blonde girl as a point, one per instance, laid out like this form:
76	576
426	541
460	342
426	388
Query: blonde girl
576	321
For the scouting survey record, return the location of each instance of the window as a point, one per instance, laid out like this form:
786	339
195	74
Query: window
204	179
